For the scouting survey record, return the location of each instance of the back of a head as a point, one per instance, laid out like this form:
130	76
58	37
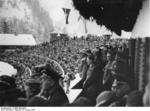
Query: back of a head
135	98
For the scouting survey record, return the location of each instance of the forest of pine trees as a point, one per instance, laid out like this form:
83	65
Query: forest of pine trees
38	22
5	27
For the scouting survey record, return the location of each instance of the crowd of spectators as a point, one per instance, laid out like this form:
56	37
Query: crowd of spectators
103	66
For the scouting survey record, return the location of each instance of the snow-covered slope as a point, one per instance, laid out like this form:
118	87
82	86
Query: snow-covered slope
25	17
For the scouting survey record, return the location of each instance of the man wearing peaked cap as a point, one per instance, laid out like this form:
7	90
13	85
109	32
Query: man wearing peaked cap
50	86
48	70
83	67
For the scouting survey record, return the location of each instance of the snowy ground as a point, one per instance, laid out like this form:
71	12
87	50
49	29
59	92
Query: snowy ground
74	92
7	69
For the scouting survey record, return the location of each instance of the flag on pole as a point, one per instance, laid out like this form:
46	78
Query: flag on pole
67	12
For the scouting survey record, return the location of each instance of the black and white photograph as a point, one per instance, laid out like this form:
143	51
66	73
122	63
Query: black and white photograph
74	53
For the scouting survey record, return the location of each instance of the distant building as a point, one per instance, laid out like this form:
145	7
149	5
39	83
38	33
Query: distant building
12	41
55	36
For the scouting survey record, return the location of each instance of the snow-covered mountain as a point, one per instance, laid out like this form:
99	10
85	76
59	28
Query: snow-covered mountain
27	17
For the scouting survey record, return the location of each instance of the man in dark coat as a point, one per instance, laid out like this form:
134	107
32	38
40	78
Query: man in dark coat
58	96
83	67
107	78
92	86
51	89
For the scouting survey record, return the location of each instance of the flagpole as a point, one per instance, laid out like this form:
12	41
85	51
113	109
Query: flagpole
66	12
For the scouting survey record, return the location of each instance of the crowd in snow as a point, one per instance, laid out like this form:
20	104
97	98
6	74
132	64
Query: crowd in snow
103	66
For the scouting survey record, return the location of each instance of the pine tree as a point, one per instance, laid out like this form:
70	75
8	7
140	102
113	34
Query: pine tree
5	27
1	28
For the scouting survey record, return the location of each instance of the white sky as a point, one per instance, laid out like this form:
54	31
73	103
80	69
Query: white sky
8	11
75	27
54	7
